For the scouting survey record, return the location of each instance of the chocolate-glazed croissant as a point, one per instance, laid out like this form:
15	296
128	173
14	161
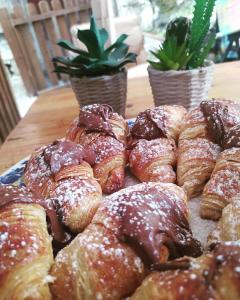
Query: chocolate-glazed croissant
61	171
153	143
25	246
211	276
162	121
223	185
105	133
206	128
203	133
135	229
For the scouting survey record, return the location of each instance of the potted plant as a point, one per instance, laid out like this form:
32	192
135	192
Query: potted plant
180	73
97	74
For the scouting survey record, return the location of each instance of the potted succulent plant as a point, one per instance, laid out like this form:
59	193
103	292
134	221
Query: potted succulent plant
97	74
180	73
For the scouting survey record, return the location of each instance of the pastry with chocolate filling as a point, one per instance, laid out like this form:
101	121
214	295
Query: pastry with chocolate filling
135	230
223	185
228	228
153	143
215	276
25	246
201	140
62	172
105	133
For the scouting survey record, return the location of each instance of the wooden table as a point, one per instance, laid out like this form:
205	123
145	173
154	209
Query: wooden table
51	114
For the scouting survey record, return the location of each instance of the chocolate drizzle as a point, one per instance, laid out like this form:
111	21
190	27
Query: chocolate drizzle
16	195
223	126
232	137
66	153
95	118
215	113
154	219
150	124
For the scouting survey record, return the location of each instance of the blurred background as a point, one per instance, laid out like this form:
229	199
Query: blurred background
144	20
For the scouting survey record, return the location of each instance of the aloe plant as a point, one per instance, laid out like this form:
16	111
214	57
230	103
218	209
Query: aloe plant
187	42
97	59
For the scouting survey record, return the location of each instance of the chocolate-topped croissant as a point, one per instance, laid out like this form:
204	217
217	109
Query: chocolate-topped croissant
105	133
223	185
61	171
212	276
134	230
153	143
204	132
25	246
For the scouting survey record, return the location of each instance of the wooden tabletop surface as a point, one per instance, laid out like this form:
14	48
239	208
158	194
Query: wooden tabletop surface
51	114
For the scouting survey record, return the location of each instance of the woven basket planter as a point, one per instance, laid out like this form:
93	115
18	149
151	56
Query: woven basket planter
106	89
187	88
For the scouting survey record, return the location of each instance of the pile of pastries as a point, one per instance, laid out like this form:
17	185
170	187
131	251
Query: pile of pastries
61	239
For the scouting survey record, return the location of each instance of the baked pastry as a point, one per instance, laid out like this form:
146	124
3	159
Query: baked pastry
135	229
61	171
228	228
105	133
204	128
161	121
211	276
196	161
223	185
152	145
154	160
25	246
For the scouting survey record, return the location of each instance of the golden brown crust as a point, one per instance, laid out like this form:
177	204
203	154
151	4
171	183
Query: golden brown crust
25	251
193	125
212	276
110	160
228	228
162	121
74	189
110	150
223	184
196	161
101	262
154	160
96	266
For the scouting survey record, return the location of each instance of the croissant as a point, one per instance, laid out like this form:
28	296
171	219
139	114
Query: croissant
152	146
211	276
196	160
25	246
161	121
105	133
207	124
154	160
228	228
62	171
223	184
135	229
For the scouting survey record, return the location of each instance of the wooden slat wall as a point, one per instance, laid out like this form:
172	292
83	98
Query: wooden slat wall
32	33
9	115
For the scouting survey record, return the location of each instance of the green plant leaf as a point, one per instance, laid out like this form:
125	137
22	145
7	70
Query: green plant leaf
118	43
119	52
69	46
156	65
205	50
104	36
89	39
